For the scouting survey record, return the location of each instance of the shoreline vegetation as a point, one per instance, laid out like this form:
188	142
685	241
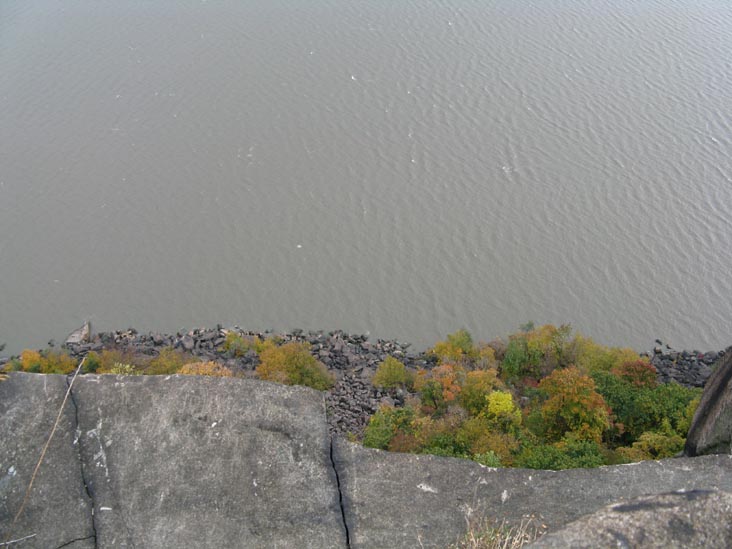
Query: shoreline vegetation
544	397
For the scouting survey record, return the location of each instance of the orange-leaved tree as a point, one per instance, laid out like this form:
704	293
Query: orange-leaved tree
573	406
638	372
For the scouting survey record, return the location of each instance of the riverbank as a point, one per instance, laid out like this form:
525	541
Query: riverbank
352	358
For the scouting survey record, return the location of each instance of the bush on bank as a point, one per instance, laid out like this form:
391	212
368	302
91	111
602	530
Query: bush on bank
544	399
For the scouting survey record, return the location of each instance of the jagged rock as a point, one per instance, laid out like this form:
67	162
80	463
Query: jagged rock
689	368
407	500
80	335
188	343
696	519
711	428
58	509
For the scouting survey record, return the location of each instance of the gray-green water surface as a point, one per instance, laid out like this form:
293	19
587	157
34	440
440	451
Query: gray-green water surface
401	167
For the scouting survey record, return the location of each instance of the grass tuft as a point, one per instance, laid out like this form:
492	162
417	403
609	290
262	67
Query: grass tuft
487	534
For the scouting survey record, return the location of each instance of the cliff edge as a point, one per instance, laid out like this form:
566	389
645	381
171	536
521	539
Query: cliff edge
165	461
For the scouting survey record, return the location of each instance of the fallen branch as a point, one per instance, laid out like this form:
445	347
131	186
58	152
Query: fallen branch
12	541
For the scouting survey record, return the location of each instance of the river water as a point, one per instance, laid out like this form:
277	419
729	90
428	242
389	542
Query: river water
396	167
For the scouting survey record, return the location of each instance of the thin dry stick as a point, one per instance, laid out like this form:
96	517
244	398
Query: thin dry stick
12	541
43	453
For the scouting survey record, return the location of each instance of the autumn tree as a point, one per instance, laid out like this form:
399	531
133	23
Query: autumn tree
637	372
573	406
477	386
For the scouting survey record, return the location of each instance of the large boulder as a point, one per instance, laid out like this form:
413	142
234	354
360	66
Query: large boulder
696	519
58	510
191	461
711	428
406	500
176	461
188	461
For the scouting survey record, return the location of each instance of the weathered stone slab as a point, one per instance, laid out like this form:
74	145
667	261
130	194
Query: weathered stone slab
695	519
58	509
711	428
403	500
187	461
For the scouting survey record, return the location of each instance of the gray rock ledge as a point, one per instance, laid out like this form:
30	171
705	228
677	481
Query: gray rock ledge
696	519
171	461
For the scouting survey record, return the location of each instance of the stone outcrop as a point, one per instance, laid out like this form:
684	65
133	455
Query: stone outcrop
711	428
695	519
406	500
177	461
59	510
190	461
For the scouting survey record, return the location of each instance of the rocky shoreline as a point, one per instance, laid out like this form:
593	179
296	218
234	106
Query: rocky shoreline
689	368
352	358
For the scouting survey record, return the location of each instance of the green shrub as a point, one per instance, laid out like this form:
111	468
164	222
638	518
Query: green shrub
536	352
92	363
384	424
653	445
446	445
46	362
637	372
543	456
582	453
573	406
641	409
458	349
502	413
169	361
684	425
592	357
390	374
124	370
432	397
105	361
239	345
13	365
205	369
292	364
489	459
477	386
516	361
440	436
568	454
668	401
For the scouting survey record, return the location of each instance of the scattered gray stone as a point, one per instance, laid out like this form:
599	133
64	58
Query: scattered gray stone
695	519
407	500
688	368
188	343
352	358
58	509
711	428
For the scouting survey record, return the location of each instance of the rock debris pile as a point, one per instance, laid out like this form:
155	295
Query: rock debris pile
688	368
352	358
